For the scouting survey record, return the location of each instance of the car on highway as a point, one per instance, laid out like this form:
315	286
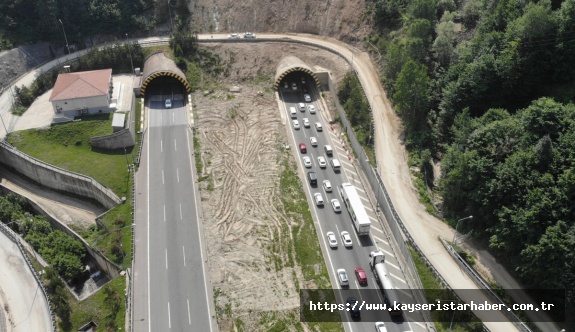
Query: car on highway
301	107
294	86
380	327
331	239
346	239
321	162
327	186
313	141
306	122
342	276
302	148
328	150
307	161
318	126
303	80
335	205
286	85
353	306
168	103
249	35
361	276
311	109
306	97
234	36
318	199
312	177
295	124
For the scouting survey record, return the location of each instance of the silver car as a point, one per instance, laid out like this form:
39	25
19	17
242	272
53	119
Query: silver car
313	141
342	276
321	162
318	199
306	97
327	186
346	239
306	122
331	239
311	109
295	124
307	162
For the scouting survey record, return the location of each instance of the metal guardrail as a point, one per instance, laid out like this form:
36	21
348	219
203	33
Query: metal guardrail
14	237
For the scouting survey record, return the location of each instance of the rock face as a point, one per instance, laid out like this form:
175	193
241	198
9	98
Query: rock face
342	19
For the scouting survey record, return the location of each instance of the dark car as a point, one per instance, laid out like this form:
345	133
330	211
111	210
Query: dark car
353	306
361	276
312	177
302	148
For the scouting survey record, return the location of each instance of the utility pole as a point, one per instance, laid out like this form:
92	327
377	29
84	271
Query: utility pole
65	38
130	53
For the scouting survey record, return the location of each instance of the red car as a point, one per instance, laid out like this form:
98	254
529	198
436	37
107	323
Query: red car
361	276
302	148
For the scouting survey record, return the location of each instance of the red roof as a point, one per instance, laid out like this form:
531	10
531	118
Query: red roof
82	84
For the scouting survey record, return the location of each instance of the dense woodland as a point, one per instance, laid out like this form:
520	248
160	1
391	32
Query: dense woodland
487	88
28	21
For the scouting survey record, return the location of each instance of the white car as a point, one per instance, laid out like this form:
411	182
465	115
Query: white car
311	109
380	327
306	122
318	126
249	35
313	141
234	36
286	85
168	103
342	276
295	124
335	205
294	86
346	239
307	161
321	162
306	97
331	239
318	199
301	107
327	186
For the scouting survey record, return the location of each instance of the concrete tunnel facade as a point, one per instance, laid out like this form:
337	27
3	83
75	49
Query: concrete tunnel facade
291	64
158	65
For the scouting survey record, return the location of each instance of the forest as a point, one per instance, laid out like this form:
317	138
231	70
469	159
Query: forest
29	21
486	88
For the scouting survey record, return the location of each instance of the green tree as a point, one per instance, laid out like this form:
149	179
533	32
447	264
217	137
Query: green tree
425	9
412	94
443	44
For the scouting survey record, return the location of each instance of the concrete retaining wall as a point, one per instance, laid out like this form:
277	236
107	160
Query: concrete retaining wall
120	139
57	178
103	263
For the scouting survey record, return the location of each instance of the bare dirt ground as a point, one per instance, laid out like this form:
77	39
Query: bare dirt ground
242	136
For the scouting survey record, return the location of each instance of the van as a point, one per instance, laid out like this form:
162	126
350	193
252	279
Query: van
335	165
328	150
293	112
312	178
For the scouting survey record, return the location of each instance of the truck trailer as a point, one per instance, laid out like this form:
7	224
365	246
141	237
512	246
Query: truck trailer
355	208
377	265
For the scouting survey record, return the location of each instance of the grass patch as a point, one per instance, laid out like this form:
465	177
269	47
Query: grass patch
305	240
434	291
106	308
153	49
198	155
67	146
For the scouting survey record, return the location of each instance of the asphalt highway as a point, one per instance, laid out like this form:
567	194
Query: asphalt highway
328	220
179	294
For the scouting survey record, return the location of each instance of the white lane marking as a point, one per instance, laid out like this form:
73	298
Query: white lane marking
380	239
178	175
189	316
368	208
173	117
387	253
397	278
374	220
164	213
181	211
198	226
392	265
365	199
359	189
161	146
166	258
378	293
169	316
175	145
163	177
184	252
148	229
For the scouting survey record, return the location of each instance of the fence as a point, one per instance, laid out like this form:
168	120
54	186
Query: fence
14	237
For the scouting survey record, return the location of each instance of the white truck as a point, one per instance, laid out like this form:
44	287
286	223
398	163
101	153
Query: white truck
377	265
352	201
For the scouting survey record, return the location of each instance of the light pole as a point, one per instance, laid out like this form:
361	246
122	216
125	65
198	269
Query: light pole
170	11
130	53
457	226
65	38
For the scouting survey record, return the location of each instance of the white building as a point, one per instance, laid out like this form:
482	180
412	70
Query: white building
87	92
